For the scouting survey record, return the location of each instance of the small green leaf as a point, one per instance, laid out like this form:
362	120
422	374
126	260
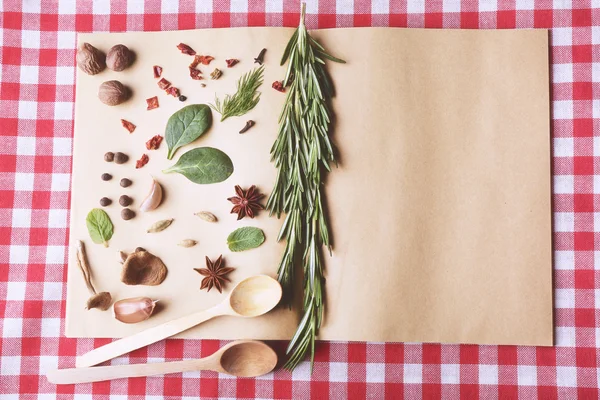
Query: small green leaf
203	165
99	226
245	238
187	125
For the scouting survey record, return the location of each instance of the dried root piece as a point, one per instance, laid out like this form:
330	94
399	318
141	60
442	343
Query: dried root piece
143	268
100	300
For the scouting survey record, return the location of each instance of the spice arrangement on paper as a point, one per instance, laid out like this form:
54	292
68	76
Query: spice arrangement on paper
189	145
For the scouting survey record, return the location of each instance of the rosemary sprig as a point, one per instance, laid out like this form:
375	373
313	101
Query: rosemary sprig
245	98
302	153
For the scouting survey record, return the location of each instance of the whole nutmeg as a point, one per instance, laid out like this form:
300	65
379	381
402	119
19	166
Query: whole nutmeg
113	93
127	214
90	60
119	57
125	200
121	158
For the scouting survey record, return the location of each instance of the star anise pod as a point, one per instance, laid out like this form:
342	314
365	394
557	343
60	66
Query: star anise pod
215	274
247	202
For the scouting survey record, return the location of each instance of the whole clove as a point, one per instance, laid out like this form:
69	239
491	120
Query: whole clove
249	124
261	57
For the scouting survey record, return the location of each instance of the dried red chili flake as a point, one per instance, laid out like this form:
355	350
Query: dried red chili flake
173	91
205	60
157	71
185	49
195	74
231	62
142	161
153	143
164	84
128	125
278	85
152	103
196	61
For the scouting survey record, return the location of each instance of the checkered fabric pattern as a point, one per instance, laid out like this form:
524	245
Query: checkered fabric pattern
37	76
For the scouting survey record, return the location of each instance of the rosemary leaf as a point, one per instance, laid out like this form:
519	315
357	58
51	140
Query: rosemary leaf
302	153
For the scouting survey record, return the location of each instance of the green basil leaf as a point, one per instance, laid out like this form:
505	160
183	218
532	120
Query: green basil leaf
187	125
245	238
203	165
99	226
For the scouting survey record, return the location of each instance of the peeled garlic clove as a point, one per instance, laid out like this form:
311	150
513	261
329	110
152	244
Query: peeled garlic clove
134	310
152	201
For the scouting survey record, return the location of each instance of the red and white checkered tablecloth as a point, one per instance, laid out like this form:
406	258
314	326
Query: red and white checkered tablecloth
37	76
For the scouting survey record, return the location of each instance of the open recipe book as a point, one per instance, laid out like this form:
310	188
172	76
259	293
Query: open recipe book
440	208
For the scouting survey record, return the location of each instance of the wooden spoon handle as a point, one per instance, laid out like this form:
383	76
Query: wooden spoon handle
144	338
96	374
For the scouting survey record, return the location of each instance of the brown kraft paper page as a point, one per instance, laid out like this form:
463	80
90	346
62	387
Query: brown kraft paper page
440	207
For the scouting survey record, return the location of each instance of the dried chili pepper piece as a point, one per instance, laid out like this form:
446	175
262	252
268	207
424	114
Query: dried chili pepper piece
128	125
185	49
163	84
154	143
142	161
157	71
195	74
231	62
173	91
196	61
278	85
205	60
152	103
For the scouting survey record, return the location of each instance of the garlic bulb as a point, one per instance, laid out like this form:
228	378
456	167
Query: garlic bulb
152	201
134	310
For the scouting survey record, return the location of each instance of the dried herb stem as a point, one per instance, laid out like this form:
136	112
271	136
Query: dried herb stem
84	266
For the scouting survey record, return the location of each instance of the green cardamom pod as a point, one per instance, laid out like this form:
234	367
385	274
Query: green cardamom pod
187	243
160	225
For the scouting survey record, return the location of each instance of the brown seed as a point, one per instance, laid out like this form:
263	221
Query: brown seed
105	201
90	60
106	177
121	158
127	214
125	200
113	93
119	57
125	182
109	157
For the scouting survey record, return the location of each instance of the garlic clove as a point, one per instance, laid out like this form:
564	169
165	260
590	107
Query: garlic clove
134	310
152	201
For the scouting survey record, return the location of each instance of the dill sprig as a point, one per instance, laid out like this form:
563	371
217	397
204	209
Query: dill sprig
302	154
245	98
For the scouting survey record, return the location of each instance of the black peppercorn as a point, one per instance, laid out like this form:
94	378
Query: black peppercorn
121	158
125	182
106	177
105	201
125	200
182	98
109	157
127	214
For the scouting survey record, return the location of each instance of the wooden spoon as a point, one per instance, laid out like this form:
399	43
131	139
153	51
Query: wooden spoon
251	297
243	358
